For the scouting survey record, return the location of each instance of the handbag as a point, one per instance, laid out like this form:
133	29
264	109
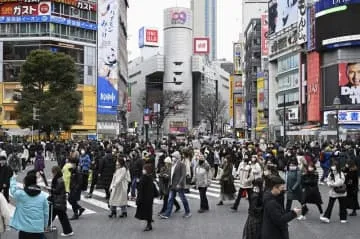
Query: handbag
340	189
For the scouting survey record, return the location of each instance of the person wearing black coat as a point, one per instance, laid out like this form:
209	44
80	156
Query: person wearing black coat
75	192
145	198
5	175
352	187
136	165
106	172
95	170
275	218
57	201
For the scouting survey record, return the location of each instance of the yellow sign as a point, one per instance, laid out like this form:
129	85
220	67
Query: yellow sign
231	102
261	121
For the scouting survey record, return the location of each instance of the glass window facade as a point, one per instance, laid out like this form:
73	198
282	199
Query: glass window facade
288	81
291	98
288	63
63	10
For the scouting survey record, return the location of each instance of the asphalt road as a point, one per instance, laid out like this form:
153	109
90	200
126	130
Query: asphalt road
219	222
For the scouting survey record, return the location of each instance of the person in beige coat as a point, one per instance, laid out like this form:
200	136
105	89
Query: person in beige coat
4	214
118	188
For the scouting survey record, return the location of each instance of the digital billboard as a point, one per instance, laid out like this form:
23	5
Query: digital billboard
282	14
108	70
349	82
343	32
321	5
313	87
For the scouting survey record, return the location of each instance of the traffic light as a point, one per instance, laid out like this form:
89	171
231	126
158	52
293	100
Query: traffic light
36	113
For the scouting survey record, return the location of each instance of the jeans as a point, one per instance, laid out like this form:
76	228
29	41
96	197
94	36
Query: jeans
165	203
64	220
133	186
237	201
172	196
342	206
204	204
325	174
28	235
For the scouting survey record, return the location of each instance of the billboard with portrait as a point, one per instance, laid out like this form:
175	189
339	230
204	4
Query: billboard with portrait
237	58
343	33
282	14
349	82
108	69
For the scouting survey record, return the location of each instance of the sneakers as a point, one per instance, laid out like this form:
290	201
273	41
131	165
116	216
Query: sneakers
232	209
67	235
162	216
321	183
301	218
343	221
325	219
187	215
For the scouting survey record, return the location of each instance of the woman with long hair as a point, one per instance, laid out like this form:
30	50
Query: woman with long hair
227	188
352	187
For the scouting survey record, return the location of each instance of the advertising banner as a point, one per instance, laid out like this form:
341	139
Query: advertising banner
148	37
264	35
25	9
248	113
321	5
345	116
237	58
311	44
282	14
84	5
238	84
261	121
108	70
349	82
313	87
238	116
231	97
302	23
178	127
201	45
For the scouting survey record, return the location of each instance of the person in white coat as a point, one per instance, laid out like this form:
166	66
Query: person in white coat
4	214
118	189
336	182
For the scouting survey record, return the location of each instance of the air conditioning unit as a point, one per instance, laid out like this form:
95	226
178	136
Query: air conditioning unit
75	12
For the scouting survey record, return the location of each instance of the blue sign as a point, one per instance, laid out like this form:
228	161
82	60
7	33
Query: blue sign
53	19
248	114
146	111
107	97
142	37
327	4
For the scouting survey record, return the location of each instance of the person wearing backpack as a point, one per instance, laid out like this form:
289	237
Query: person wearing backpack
336	183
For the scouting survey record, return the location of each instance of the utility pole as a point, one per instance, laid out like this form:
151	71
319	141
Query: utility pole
36	117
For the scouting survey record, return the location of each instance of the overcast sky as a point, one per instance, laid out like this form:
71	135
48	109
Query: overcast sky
150	13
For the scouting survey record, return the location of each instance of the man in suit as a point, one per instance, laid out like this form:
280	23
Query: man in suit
177	185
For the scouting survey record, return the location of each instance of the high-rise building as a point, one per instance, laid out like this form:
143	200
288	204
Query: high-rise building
205	22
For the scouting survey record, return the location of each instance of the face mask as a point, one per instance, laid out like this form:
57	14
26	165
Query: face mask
253	160
82	152
266	173
282	193
292	167
144	171
256	189
333	168
311	169
201	162
288	154
117	165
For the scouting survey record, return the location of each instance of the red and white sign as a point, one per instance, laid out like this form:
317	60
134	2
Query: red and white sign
25	9
201	45
151	36
264	35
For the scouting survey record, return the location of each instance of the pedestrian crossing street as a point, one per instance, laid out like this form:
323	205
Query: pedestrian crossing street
98	204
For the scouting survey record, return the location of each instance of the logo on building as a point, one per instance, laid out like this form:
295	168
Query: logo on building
178	17
201	45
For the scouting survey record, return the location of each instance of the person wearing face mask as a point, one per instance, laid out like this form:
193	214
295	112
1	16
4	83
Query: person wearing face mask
75	191
177	185
252	228
202	182
275	218
84	163
118	189
227	188
106	171
293	183
311	193
145	198
256	169
336	183
5	175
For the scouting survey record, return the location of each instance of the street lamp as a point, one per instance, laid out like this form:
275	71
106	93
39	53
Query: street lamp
336	104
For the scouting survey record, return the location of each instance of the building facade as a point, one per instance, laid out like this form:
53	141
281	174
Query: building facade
205	22
58	26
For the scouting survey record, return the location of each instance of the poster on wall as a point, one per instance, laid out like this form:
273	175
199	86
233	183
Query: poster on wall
237	58
282	14
108	70
349	82
264	35
302	23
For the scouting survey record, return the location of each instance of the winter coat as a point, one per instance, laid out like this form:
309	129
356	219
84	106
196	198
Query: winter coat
293	183
352	188
145	198
4	213
178	176
311	193
32	208
136	166
202	179
5	175
336	180
164	180
75	185
245	175
256	170
58	193
275	218
325	159
252	228
119	187
227	180
85	162
106	171
39	163
67	176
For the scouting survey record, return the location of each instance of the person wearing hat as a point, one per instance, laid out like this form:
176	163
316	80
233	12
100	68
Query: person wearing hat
177	185
5	175
164	184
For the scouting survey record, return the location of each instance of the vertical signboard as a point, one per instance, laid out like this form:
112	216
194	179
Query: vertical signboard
108	69
301	24
261	121
237	58
264	35
231	96
311	44
313	87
